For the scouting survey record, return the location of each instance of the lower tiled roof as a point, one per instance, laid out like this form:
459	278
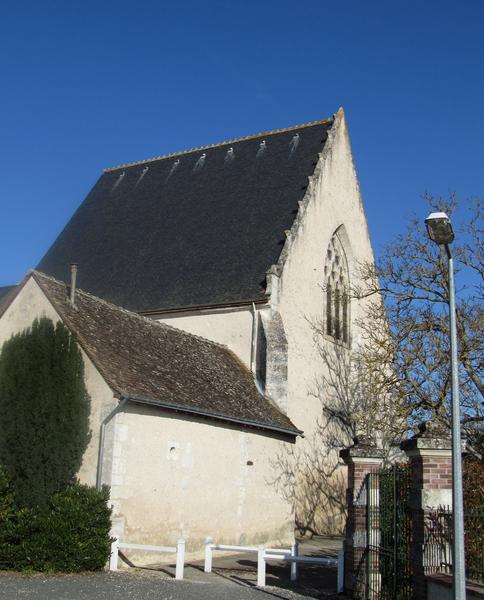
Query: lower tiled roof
152	362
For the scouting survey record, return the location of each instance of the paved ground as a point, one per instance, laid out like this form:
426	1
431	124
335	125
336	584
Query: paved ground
233	578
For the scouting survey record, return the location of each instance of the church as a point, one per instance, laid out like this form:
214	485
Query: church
192	282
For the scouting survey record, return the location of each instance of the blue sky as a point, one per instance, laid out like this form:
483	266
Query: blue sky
86	85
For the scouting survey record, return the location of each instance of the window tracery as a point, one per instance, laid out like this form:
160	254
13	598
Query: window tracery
337	290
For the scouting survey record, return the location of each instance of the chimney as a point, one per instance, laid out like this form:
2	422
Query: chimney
73	283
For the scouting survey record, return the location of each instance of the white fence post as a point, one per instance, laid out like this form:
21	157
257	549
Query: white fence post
294	552
261	567
208	555
180	559
113	559
341	571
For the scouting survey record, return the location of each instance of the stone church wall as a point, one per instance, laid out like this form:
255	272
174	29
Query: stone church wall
332	200
199	479
296	285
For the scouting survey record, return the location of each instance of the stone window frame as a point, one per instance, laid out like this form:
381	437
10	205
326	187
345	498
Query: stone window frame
337	301
260	355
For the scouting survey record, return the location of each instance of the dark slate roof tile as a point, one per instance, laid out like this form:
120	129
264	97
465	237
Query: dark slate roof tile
197	228
5	292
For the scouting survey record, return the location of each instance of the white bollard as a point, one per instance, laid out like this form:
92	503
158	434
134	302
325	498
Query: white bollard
294	552
113	559
261	567
341	571
180	559
208	555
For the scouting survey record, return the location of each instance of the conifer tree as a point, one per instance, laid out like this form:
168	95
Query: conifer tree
44	411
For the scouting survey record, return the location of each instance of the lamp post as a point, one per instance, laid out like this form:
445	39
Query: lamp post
440	231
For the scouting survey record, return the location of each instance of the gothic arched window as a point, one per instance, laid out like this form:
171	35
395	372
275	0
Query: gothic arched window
337	290
261	355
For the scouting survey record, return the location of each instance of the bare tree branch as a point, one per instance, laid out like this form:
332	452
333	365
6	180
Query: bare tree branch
412	279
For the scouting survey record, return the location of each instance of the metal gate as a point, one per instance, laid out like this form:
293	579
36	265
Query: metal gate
384	569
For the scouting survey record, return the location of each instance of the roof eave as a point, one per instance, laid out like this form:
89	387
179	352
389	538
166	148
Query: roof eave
204	307
210	414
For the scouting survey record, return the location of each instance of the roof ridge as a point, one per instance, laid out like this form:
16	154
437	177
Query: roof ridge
152	322
218	144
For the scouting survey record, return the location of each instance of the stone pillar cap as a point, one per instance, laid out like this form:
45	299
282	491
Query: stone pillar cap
430	436
363	447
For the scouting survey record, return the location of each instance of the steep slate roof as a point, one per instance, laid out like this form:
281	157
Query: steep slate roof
200	227
154	363
5	290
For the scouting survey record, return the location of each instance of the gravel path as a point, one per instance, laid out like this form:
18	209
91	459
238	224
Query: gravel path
234	578
131	586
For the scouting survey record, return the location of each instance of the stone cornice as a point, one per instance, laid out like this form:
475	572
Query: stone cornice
423	445
442	452
362	454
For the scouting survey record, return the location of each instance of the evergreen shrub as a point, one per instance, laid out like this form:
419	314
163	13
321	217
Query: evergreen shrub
48	521
44	411
70	534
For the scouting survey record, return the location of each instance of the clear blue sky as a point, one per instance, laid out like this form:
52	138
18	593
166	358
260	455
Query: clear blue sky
85	85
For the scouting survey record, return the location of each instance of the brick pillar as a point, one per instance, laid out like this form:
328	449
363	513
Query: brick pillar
361	458
430	457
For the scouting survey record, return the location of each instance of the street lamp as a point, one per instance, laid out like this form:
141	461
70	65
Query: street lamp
440	231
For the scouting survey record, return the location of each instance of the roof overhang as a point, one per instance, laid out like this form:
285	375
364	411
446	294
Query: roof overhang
200	412
242	304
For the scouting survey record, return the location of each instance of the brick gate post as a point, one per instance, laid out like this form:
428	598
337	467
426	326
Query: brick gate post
361	458
430	457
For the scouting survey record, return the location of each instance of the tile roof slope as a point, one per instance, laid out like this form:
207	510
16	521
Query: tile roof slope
142	358
5	291
198	228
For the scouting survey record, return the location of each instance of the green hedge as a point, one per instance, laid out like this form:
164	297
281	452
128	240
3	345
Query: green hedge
70	534
473	483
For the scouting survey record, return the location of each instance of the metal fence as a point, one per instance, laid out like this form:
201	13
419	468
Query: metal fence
384	567
438	542
397	544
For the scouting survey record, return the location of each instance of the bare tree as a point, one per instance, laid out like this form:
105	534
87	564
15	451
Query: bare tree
406	339
354	402
394	373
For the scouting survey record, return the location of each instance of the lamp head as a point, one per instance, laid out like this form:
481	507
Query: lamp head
439	228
